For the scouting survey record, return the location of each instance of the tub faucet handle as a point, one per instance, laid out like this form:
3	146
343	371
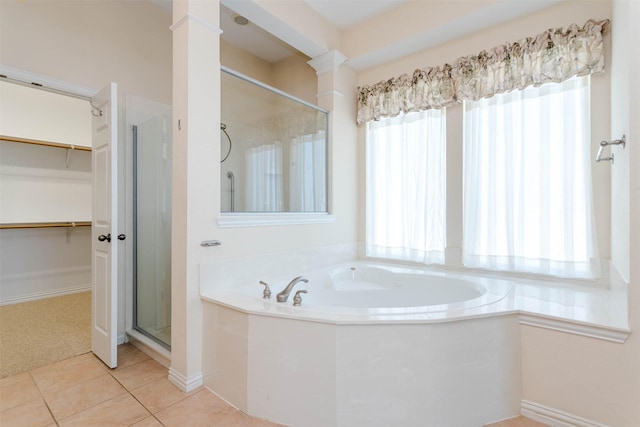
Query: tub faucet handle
266	294
297	299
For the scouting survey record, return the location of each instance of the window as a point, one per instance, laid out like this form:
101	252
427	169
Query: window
405	194
527	182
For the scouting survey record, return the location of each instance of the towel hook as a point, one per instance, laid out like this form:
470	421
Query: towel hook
622	141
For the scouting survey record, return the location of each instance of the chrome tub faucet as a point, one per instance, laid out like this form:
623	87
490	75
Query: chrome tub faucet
284	294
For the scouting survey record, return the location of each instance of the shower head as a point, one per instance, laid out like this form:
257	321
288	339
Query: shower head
230	175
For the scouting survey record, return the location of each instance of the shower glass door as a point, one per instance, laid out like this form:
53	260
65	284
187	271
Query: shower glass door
152	228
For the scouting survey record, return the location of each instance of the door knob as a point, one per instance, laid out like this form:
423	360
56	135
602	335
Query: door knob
121	236
102	237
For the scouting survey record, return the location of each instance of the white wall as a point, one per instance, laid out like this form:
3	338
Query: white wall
622	51
30	113
91	43
597	380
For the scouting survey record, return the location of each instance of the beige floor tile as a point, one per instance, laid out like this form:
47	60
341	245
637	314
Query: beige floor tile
61	375
129	355
531	423
201	409
122	410
31	414
159	394
236	419
148	422
517	422
140	374
257	422
17	390
83	395
12	379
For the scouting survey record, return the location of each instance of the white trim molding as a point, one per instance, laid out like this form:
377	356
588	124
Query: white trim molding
233	220
121	339
183	383
328	61
51	84
591	331
330	92
45	294
191	17
554	417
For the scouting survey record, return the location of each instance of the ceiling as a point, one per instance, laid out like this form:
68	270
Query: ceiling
252	38
345	14
342	14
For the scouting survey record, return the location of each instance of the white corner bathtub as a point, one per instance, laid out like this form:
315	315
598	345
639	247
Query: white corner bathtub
393	290
364	291
370	345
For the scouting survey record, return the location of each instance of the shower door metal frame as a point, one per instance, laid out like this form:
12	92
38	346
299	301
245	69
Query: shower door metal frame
135	244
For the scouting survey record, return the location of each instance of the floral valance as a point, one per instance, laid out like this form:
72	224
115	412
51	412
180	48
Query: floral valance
553	56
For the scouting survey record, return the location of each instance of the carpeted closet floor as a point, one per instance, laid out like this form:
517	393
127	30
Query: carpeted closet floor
38	333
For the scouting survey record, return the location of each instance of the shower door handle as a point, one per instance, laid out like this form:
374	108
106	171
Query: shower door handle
102	237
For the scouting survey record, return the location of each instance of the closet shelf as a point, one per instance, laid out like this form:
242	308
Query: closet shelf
46	224
45	143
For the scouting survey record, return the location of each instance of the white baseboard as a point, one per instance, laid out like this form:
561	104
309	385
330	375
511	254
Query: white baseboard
45	294
183	383
554	417
121	339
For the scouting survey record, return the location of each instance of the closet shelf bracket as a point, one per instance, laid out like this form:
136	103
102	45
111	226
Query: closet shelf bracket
68	159
69	230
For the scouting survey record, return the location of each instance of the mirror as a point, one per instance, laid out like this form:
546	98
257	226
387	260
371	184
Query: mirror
273	149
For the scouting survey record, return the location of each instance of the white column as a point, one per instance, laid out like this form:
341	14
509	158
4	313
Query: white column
336	93
327	67
196	175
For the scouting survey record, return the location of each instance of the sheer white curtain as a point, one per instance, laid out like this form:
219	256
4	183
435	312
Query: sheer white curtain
527	182
264	178
307	179
405	187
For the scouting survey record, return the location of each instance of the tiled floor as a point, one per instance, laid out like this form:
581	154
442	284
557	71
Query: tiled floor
82	391
517	422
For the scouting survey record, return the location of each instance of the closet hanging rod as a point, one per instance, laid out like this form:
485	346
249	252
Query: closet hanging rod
43	143
622	141
45	224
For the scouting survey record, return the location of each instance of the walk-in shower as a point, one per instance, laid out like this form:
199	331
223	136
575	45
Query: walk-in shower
152	228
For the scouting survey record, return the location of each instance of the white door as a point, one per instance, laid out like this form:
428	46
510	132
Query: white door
104	310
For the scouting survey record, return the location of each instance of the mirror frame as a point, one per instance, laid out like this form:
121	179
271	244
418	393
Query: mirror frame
254	219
